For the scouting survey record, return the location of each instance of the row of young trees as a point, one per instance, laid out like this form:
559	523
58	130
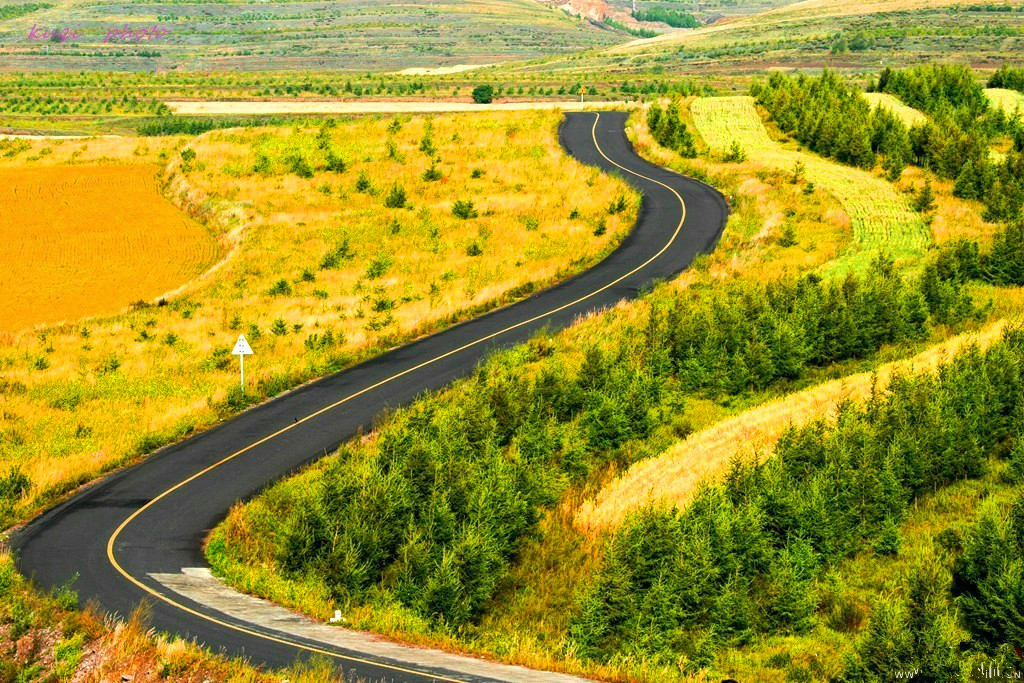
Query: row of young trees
669	130
976	581
745	557
1008	77
736	338
1001	265
832	119
433	513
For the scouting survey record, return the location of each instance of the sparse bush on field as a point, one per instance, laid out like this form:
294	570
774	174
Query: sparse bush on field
334	163
669	130
432	173
396	198
735	155
427	141
298	165
483	94
464	209
262	165
618	205
280	288
378	266
363	183
333	258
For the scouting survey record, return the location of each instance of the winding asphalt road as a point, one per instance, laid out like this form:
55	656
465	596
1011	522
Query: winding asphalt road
152	518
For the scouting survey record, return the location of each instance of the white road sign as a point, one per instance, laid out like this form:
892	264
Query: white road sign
242	349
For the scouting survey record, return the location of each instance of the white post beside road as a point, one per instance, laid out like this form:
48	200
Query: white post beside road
242	349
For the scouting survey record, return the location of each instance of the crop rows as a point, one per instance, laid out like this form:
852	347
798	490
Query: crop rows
881	218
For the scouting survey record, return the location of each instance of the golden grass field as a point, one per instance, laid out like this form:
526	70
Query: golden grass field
69	249
79	399
908	115
880	217
1008	100
675	476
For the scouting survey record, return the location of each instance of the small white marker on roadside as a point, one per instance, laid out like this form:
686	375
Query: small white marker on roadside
242	349
337	617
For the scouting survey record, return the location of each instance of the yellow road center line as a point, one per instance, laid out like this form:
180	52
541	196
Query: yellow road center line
160	596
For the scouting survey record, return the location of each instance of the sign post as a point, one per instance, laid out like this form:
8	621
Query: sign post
242	349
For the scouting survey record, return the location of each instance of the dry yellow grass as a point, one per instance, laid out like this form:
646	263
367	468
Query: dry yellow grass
953	217
908	115
69	250
1008	100
81	398
677	474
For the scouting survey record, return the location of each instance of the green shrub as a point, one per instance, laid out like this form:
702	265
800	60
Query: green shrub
298	165
396	198
378	266
333	258
363	183
280	288
483	94
432	174
669	130
464	209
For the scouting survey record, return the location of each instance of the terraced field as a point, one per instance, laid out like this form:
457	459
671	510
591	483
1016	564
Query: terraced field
880	217
70	252
909	115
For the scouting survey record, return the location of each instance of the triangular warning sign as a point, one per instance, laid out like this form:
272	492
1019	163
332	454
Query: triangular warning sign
242	347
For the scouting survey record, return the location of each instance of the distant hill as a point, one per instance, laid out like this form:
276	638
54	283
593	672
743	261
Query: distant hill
367	35
815	34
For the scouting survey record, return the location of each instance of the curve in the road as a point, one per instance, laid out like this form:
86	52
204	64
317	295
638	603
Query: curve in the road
151	519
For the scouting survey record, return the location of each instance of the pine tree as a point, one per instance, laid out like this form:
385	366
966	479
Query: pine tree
924	202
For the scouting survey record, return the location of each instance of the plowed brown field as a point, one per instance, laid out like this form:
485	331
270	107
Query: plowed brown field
77	242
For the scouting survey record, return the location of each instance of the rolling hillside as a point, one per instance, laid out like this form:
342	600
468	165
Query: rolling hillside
367	35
